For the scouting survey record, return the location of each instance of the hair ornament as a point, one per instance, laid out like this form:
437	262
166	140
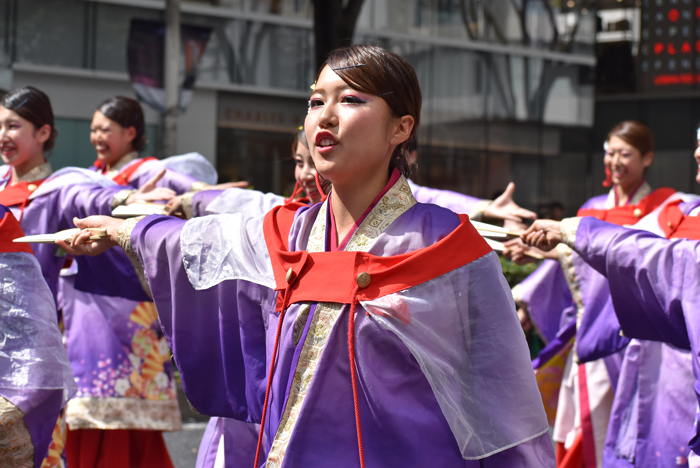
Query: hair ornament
21	104
388	92
697	134
606	145
313	86
349	66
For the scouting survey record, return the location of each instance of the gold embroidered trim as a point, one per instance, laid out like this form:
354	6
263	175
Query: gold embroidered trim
198	186
121	196
42	171
16	446
124	241
123	413
643	191
392	205
478	210
186	203
119	165
568	229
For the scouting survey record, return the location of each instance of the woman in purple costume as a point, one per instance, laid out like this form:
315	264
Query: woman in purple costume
44	201
433	370
585	403
653	285
35	375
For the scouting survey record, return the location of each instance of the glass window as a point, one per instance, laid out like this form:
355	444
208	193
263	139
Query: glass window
51	32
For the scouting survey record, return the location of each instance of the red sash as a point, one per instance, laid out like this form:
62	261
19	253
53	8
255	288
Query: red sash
676	225
9	230
333	276
124	177
19	193
630	214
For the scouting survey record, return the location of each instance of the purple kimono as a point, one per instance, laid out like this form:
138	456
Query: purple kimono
119	356
236	434
654	288
35	375
419	400
597	336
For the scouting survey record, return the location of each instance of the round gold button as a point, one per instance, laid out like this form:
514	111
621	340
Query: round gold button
31	187
637	213
290	275
363	279
670	224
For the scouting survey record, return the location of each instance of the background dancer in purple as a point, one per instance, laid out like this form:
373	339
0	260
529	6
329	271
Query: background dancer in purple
653	286
365	106
35	375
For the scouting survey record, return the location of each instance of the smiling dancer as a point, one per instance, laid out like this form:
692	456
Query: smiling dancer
653	286
344	318
591	372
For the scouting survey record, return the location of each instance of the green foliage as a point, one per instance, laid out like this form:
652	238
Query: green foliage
515	273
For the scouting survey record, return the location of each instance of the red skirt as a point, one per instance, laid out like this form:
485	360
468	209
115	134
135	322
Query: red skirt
95	448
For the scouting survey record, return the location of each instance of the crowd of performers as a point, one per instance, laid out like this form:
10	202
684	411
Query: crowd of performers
361	321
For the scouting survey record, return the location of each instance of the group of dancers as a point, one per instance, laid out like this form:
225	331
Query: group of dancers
361	321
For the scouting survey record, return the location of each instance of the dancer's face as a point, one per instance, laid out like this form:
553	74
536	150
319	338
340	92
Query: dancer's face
111	140
21	143
305	173
351	133
626	163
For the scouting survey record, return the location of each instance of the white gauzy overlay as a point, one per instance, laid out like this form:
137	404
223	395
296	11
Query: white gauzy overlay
226	247
193	164
32	355
467	339
244	201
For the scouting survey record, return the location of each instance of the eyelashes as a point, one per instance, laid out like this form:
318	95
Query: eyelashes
313	103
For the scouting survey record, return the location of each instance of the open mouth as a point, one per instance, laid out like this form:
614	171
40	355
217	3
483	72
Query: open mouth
325	140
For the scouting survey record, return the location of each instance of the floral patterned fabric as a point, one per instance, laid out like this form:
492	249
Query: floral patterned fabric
121	363
16	447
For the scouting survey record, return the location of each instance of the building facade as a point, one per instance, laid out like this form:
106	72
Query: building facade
508	94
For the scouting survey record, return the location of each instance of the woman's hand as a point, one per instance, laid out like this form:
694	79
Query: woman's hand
522	254
506	209
544	234
150	193
174	206
81	243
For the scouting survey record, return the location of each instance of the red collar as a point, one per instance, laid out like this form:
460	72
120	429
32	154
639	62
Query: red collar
332	276
19	193
676	225
9	230
630	214
124	176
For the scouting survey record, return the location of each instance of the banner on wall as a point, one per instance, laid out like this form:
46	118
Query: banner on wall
145	52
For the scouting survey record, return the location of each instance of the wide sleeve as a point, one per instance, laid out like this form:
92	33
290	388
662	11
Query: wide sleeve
217	332
654	282
244	201
36	378
201	200
490	402
110	274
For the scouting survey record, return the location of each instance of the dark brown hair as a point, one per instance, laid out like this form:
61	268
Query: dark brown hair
32	105
634	133
377	71
126	112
